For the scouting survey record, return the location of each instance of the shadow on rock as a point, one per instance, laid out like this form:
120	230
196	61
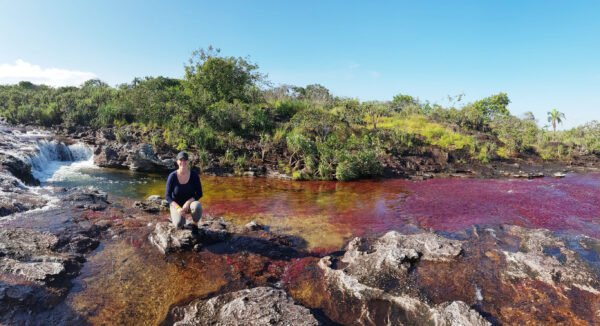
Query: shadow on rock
220	237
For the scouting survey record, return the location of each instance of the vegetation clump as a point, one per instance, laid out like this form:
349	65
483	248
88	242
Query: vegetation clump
225	110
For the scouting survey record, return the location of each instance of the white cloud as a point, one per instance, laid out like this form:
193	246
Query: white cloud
25	71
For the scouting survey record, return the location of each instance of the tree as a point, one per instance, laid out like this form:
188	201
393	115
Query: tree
315	93
400	101
376	110
211	78
478	115
555	117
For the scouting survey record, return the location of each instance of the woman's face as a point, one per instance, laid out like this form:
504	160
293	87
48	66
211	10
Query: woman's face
182	163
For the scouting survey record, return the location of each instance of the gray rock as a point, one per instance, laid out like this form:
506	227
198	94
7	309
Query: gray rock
563	267
109	157
391	255
368	267
154	198
253	226
367	305
32	255
257	306
167	238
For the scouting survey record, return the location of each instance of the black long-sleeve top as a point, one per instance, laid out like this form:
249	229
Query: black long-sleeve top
180	193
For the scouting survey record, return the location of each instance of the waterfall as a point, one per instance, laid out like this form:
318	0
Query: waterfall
52	156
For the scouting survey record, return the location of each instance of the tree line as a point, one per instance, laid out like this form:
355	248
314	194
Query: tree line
226	112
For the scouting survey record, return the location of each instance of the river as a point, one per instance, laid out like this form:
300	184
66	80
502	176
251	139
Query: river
327	213
126	280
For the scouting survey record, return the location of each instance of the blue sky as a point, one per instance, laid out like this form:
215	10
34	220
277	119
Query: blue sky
544	54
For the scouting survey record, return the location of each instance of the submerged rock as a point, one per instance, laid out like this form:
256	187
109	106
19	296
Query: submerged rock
546	258
257	306
152	204
86	198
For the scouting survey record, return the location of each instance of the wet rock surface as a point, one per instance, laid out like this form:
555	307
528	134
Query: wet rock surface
16	197
371	279
152	204
86	198
122	149
497	275
168	238
393	254
36	269
257	306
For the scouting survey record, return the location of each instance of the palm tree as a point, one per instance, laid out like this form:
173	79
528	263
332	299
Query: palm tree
555	117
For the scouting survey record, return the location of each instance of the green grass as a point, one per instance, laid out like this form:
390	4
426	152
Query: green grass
434	133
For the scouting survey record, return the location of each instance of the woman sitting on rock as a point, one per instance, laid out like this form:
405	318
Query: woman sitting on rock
184	191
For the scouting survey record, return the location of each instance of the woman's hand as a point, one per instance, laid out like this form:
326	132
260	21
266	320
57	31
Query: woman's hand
186	206
177	207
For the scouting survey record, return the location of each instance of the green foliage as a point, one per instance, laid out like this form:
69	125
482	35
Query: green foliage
432	132
211	78
349	111
203	158
487	151
228	159
284	110
221	108
240	163
555	117
375	111
401	101
516	134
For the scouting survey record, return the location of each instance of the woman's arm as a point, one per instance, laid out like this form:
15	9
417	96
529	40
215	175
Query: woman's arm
198	191
169	191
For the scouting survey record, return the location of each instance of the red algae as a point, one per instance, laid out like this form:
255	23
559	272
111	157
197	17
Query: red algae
569	204
329	213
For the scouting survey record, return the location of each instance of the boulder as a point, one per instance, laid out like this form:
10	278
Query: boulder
370	283
393	254
152	204
137	157
143	158
253	226
18	168
257	306
86	198
167	238
108	157
361	304
32	255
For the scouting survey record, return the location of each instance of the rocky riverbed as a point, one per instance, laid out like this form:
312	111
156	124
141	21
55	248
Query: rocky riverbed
79	256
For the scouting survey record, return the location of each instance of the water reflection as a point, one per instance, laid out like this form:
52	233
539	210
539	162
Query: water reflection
327	213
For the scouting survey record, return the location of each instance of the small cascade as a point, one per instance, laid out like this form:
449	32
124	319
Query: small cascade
52	155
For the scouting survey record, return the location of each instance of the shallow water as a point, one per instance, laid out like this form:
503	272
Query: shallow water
326	214
128	282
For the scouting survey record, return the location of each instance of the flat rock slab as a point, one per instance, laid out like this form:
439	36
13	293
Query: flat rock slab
167	238
33	256
391	255
257	306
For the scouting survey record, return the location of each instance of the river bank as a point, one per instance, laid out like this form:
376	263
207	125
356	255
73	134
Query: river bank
124	148
92	257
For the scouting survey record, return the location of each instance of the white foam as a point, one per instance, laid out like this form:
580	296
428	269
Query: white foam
478	295
56	161
71	171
